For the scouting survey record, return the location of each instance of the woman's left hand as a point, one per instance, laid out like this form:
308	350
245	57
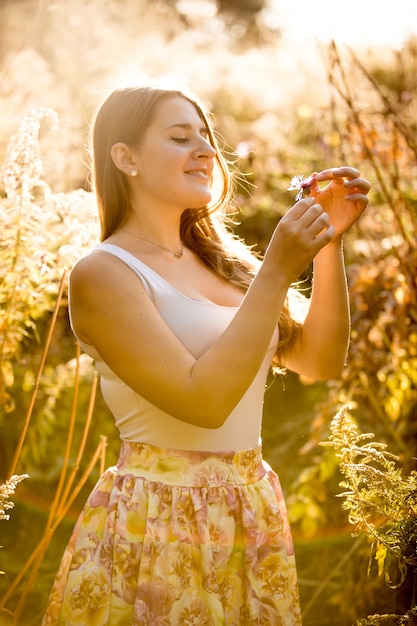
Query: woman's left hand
345	198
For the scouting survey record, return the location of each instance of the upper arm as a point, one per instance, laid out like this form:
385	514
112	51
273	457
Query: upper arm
316	352
294	358
291	355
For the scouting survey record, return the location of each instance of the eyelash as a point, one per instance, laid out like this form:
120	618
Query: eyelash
185	139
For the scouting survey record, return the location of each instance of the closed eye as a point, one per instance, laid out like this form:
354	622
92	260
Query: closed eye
180	139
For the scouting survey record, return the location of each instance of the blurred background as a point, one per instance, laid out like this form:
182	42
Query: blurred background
294	87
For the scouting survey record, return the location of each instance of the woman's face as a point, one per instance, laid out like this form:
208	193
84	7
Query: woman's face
175	158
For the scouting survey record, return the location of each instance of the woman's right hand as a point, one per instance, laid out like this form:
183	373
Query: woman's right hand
298	237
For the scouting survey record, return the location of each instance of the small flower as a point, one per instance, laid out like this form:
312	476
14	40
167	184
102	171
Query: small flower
22	169
7	489
302	185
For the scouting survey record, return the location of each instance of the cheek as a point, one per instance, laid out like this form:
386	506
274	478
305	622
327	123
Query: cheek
170	163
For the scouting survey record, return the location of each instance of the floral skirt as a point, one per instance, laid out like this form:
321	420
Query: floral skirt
180	538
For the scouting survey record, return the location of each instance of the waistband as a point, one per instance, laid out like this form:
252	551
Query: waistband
189	468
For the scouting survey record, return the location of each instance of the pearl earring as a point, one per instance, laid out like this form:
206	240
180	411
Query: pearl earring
134	172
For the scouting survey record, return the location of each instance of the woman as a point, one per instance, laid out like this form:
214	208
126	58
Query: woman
184	323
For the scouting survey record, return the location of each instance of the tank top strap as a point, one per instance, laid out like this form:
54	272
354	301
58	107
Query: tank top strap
151	280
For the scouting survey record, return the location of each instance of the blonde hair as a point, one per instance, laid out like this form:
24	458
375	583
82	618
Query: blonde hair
124	117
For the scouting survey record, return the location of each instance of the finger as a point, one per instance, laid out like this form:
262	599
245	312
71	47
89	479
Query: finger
300	207
337	172
324	237
313	215
359	199
319	226
359	183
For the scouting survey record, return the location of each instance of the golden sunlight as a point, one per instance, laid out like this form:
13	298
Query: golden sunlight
358	22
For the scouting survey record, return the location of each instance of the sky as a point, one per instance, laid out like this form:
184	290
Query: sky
355	22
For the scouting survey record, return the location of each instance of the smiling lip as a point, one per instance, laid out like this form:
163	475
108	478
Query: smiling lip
198	172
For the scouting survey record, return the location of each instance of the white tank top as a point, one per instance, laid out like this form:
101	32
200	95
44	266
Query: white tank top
198	324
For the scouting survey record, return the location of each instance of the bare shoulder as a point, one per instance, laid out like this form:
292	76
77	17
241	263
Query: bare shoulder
91	265
98	270
98	283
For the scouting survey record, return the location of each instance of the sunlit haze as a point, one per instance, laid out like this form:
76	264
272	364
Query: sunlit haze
366	22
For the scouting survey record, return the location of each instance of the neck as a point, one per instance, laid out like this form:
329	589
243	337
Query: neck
162	228
177	252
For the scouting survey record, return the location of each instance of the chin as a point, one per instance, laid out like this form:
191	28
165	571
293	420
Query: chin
201	202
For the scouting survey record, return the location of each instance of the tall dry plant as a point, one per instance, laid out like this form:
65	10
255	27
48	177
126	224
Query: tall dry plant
373	115
41	234
375	112
69	485
382	505
380	500
378	129
373	123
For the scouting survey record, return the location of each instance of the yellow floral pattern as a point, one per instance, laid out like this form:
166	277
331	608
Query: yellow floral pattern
180	538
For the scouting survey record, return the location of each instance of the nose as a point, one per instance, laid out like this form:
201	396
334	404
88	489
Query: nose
205	149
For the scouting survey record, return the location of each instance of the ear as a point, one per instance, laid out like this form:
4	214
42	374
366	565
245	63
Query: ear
123	158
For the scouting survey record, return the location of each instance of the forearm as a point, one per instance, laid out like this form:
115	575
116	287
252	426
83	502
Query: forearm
328	321
321	349
230	365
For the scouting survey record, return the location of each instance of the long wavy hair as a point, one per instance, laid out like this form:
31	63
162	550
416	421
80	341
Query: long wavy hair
124	117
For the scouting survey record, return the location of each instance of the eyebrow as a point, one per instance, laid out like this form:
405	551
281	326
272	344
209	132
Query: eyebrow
186	127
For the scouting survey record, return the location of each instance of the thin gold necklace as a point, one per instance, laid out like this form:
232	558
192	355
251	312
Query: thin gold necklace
177	255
